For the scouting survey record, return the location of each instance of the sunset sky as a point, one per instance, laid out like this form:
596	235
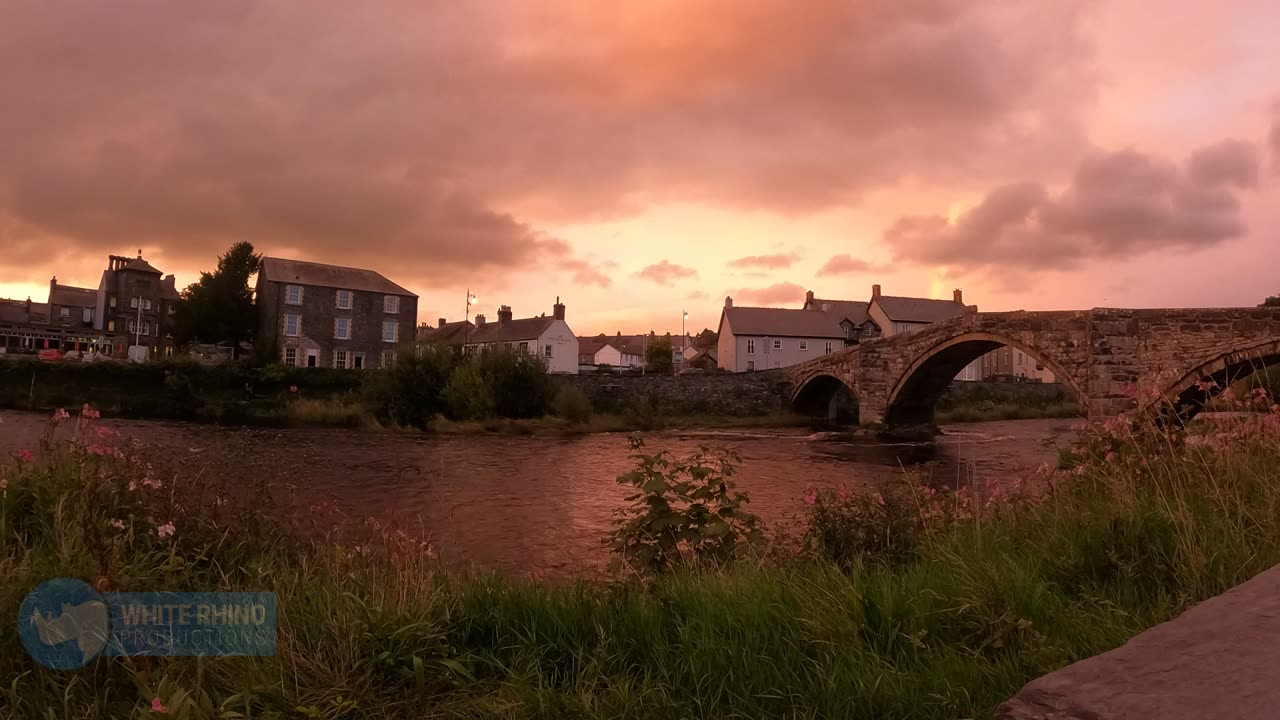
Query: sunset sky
637	159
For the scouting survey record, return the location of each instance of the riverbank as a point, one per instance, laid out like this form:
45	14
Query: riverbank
979	592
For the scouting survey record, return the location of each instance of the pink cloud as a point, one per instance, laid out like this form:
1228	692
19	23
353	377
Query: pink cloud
776	295
846	264
666	273
770	262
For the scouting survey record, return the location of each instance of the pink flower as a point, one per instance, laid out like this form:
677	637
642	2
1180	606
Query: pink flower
842	492
810	496
158	707
879	499
1276	409
165	530
25	455
89	412
61	414
1111	457
117	524
431	553
103	431
1207	385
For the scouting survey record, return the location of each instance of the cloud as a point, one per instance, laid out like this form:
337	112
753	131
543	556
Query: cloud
666	273
1118	205
427	144
845	264
783	293
771	262
1275	144
584	273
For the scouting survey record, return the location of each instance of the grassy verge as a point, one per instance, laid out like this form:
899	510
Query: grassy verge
977	593
990	411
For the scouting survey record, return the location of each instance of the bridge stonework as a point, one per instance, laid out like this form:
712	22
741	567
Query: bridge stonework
1103	355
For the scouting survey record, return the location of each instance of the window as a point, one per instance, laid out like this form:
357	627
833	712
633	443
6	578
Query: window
524	348
357	362
133	302
291	356
828	350
133	326
342	328
293	294
390	329
113	302
64	312
292	325
777	344
390	303
751	348
173	309
546	352
344	299
751	365
111	326
848	331
312	358
340	359
389	357
1020	357
146	304
804	344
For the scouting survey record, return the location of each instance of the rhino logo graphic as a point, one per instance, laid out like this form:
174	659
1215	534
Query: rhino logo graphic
64	623
85	623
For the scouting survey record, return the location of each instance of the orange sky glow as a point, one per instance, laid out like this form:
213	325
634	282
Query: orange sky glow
640	159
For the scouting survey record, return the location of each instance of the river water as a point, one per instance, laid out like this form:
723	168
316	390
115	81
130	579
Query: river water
521	504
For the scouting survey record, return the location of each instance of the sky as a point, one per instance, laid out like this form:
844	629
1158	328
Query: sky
640	159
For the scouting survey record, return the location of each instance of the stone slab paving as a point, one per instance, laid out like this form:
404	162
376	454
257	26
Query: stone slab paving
1218	660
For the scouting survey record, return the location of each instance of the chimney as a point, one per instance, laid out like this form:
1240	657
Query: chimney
875	291
53	283
504	314
728	301
558	309
808	297
958	296
440	322
479	320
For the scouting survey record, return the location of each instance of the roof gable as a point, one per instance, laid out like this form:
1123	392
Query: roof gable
918	310
511	331
301	272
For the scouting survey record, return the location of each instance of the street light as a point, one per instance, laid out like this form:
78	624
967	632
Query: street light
466	320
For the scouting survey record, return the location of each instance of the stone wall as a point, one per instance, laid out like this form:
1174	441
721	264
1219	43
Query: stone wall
740	394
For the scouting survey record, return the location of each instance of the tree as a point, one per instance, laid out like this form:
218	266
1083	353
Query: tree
220	308
657	357
1273	301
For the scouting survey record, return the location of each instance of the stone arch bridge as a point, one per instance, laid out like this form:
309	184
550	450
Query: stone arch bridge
1103	356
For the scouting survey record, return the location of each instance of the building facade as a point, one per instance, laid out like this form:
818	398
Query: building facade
754	338
329	316
550	338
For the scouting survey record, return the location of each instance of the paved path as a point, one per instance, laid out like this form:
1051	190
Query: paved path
1220	659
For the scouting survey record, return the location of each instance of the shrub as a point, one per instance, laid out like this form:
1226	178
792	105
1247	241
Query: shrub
684	510
502	382
572	404
412	390
468	396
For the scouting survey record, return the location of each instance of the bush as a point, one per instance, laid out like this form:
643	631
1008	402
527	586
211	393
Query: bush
468	396
685	511
572	404
499	381
412	390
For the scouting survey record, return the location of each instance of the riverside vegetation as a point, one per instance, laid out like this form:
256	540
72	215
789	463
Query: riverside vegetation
910	602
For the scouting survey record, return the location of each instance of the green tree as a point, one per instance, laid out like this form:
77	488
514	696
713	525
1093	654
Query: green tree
220	308
412	390
1273	301
657	357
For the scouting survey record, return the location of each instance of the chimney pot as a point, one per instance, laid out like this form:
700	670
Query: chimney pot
504	314
808	296
958	296
875	291
439	322
558	309
479	320
728	301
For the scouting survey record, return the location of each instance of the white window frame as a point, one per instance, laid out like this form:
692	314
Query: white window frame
113	301
804	344
394	326
297	324
524	348
546	352
64	312
349	295
777	344
340	359
342	328
751	346
291	356
146	303
391	304
389	358
289	292
146	327
133	302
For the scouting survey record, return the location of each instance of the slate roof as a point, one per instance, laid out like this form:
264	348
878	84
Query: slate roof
918	310
451	332
73	296
592	345
301	272
15	312
783	322
514	330
854	310
140	265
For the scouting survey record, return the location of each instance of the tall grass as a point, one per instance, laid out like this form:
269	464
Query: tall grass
1008	584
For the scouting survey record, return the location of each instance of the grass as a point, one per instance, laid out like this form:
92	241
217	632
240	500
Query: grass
990	411
328	412
1135	528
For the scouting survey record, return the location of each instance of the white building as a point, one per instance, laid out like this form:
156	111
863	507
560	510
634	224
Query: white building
548	337
755	338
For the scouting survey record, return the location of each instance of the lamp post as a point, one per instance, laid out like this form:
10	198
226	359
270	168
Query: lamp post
684	338
466	320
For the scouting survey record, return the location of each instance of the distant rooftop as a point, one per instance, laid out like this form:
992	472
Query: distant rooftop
783	322
302	272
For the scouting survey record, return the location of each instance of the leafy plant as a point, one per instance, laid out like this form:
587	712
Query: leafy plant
572	404
684	510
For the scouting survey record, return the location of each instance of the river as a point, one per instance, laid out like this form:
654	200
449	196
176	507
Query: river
522	504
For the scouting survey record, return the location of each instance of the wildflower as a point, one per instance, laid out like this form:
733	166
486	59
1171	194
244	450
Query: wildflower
879	499
1042	470
133	485
165	530
810	496
103	431
25	455
431	553
1111	457
842	492
1207	385
88	412
1259	394
158	707
1275	409
61	414
117	524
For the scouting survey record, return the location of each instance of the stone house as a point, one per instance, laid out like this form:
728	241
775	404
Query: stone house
756	338
316	315
135	306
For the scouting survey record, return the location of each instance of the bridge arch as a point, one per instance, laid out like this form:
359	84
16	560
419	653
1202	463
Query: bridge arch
823	394
912	399
1190	392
